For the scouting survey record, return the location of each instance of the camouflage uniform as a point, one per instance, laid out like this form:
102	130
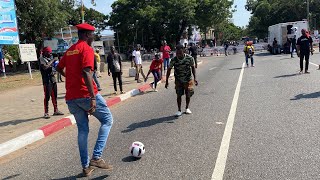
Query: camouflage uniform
182	74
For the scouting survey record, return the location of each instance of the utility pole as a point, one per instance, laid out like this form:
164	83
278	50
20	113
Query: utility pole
308	13
118	42
82	11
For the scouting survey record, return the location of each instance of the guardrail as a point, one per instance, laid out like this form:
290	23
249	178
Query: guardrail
215	51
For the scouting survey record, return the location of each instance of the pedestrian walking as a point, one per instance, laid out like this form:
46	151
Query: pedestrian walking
304	48
136	54
95	76
156	70
115	68
193	51
183	65
165	49
83	98
293	45
98	58
275	46
49	82
226	46
249	52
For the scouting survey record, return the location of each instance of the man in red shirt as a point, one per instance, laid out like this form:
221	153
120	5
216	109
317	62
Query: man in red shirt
165	49
156	70
82	97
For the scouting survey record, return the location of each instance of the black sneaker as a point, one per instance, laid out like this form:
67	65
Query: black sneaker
58	113
46	116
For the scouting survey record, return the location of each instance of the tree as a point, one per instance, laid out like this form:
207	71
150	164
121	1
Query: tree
229	31
269	12
210	13
37	19
155	20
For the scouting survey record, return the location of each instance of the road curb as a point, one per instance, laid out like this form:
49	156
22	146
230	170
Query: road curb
45	131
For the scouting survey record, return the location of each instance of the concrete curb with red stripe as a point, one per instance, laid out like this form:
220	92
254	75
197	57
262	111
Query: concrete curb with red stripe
45	131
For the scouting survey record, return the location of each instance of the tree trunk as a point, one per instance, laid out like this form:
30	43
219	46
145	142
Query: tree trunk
182	28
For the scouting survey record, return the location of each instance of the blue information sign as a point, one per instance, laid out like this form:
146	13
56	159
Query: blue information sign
8	23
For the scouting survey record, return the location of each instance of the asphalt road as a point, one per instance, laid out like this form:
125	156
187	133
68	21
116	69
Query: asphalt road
274	135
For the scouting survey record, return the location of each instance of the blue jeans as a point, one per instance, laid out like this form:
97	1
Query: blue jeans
166	63
157	77
95	79
292	50
79	108
247	60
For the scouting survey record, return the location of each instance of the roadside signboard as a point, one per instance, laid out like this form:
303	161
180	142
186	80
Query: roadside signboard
28	52
8	23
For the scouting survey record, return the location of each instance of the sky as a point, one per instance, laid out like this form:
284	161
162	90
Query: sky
240	17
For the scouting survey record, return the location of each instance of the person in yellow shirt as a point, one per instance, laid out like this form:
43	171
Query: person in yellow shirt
96	54
249	52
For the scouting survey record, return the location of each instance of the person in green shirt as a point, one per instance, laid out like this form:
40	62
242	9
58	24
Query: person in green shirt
183	65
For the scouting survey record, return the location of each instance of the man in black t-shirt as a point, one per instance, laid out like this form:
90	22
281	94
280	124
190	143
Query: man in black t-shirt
304	48
49	82
293	45
193	50
115	68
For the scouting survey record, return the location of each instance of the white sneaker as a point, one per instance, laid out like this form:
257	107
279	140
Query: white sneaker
155	90
188	111
179	113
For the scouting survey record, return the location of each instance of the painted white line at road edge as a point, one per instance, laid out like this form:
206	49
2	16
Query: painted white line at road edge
20	142
224	147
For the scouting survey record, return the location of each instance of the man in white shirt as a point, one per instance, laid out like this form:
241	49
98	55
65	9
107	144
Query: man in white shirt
136	54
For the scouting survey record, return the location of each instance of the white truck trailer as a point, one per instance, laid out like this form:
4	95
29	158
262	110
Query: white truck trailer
283	30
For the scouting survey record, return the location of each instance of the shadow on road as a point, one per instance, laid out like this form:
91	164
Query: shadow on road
236	68
287	75
19	121
306	96
148	123
11	177
130	159
263	54
81	176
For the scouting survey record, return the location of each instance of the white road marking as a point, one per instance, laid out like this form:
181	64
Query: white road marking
212	68
314	64
219	123
224	147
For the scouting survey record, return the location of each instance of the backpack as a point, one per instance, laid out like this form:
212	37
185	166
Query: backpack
249	50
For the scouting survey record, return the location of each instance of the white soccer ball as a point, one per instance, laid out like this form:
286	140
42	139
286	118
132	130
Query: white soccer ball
137	149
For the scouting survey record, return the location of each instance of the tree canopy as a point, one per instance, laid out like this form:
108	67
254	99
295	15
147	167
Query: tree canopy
269	12
150	21
38	19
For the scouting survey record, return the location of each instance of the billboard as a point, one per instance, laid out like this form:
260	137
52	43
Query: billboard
8	23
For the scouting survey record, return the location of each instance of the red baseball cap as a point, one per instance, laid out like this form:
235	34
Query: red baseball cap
86	27
47	49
